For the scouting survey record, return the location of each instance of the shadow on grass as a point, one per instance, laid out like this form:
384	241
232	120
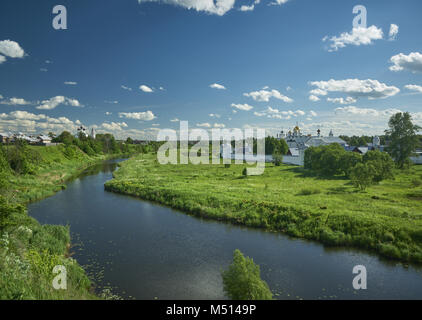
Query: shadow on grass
306	173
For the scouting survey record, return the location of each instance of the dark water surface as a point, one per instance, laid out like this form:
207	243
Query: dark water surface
147	251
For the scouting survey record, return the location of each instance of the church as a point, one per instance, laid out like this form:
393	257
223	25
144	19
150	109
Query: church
298	143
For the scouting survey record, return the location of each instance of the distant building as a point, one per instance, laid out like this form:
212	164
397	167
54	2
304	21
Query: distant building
417	158
93	134
5	137
44	140
298	143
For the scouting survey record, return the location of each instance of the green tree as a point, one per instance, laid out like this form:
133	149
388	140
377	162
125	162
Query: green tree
402	137
242	280
348	161
362	175
382	163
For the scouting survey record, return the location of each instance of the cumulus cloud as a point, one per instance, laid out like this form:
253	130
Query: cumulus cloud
348	100
414	87
204	125
358	36
114	126
279	2
219	125
265	95
108	113
394	31
217	86
11	49
56	101
411	62
244	107
355	88
144	116
313	98
280	114
15	101
145	88
218	7
214	115
23	121
366	111
251	7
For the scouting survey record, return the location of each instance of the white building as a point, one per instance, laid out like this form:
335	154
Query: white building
298	143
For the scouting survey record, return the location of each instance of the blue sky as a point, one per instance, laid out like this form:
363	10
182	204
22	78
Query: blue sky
211	63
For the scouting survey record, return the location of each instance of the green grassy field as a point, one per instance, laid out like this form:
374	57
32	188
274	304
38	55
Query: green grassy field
387	218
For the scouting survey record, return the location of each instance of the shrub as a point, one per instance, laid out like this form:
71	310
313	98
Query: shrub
242	280
362	175
277	159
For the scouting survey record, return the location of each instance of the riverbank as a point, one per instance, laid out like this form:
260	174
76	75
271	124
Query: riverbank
386	219
28	250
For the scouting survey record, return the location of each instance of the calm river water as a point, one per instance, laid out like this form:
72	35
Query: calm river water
145	251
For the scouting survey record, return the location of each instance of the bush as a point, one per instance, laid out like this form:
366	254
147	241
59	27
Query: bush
277	159
242	280
362	175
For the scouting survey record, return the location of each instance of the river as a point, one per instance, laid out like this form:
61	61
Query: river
146	251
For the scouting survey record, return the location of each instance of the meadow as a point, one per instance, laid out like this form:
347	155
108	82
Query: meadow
386	218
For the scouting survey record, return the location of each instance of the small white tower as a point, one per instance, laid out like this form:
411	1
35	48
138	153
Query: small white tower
93	133
376	142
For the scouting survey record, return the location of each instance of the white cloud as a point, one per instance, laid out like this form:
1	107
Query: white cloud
265	95
23	121
348	100
218	7
280	114
244	107
162	89
126	88
15	102
372	89
111	101
114	126
70	83
145	88
174	120
313	98
58	100
10	49
411	62
318	92
214	115
204	125
366	111
145	116
219	125
279	2
217	86
394	31
358	36
414	87
245	8
108	113
313	113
